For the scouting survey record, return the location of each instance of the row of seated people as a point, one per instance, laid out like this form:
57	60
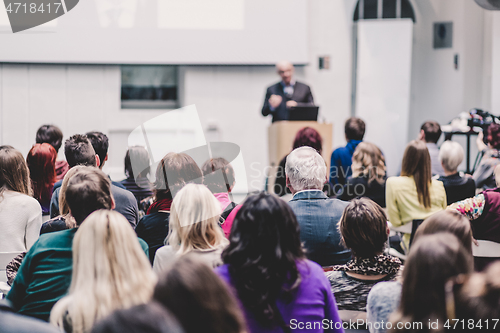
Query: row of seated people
317	216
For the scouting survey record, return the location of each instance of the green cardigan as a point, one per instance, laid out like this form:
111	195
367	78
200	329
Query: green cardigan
45	274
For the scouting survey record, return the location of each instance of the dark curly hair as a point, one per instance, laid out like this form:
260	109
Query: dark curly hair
493	135
262	255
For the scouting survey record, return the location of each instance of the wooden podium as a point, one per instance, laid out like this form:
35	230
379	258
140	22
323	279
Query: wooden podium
281	135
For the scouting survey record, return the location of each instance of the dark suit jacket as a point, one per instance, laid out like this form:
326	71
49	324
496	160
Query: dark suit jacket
301	94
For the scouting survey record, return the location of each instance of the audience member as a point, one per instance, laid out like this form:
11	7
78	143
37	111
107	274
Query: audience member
340	164
414	195
179	169
41	161
198	298
364	231
432	261
64	220
110	272
193	228
483	175
144	318
20	213
52	135
228	223
457	187
384	298
137	158
430	132
79	151
306	137
476	299
317	214
266	265
218	176
368	175
45	274
483	211
14	323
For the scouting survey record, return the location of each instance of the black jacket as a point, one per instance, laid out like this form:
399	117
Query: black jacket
301	94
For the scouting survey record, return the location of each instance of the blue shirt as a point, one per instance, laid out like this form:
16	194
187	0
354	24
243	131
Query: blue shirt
341	161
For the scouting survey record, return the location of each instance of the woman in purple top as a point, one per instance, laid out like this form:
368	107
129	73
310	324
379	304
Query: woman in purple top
278	288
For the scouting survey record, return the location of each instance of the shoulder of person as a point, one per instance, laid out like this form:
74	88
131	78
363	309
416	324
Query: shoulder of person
119	191
22	201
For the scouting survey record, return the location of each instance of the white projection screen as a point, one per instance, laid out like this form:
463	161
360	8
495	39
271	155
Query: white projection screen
383	85
164	32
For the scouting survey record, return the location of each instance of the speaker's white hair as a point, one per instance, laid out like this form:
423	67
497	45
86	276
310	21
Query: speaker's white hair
306	169
451	154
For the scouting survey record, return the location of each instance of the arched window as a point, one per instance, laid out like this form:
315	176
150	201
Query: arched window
383	9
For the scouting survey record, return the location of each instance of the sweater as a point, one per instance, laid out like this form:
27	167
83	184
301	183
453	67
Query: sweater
20	221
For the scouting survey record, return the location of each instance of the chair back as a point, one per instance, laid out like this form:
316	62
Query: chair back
486	249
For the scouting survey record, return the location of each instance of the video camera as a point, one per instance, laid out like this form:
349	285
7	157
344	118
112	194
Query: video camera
483	119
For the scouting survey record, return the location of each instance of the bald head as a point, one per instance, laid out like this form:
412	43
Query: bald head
285	70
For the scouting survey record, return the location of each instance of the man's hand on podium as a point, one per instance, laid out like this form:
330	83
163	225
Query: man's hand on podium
275	101
291	104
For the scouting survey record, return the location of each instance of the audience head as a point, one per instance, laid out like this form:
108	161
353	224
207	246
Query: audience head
41	161
305	170
285	70
430	132
308	136
110	271
354	129
137	158
417	163
451	154
448	221
173	172
368	161
14	173
218	181
100	143
79	151
262	254
198	298
493	136
89	189
150	318
476	296
63	204
363	227
433	259
194	220
50	134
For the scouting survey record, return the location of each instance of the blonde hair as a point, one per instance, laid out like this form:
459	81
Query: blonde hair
194	221
368	161
451	154
14	172
63	204
110	271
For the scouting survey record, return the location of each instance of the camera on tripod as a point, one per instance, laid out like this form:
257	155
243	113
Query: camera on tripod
483	119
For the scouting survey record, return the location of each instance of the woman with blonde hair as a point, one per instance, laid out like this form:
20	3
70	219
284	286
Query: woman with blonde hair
20	213
110	272
64	220
368	175
194	228
414	195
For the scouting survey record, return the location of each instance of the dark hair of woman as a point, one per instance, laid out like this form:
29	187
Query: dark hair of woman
363	227
493	136
173	172
50	134
140	157
262	255
198	298
41	162
448	221
417	163
433	259
309	137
